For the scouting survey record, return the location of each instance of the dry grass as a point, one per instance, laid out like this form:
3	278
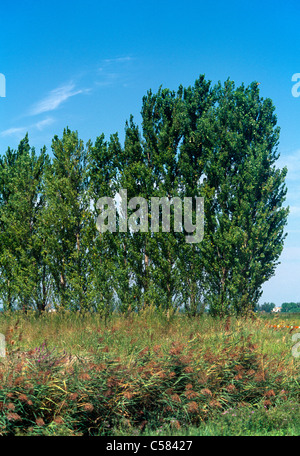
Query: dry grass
72	374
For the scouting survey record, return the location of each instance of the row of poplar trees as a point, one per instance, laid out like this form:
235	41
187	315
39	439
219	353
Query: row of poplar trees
218	142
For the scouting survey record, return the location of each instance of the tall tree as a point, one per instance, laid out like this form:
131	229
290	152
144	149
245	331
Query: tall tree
22	259
220	143
163	120
198	100
136	177
102	170
245	192
67	218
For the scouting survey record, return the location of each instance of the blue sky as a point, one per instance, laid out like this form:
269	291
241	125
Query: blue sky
88	64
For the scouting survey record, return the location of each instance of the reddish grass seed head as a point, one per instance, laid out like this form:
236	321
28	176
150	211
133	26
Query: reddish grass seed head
189	386
128	395
10	406
175	424
206	392
270	393
88	407
267	403
215	403
73	396
176	349
238	377
84	376
13	417
58	420
192	407
230	388
169	391
191	394
40	422
156	348
175	398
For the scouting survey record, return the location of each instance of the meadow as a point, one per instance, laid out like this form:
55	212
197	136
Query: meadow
152	373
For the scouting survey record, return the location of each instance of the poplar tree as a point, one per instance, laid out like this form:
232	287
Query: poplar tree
198	100
163	120
101	171
22	261
67	220
245	192
218	142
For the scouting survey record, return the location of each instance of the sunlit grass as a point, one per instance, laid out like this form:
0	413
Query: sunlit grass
147	373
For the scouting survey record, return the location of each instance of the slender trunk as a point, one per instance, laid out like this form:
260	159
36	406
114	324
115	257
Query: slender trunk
193	287
146	280
9	297
169	281
62	288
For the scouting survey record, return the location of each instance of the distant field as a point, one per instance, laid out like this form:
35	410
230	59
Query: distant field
149	374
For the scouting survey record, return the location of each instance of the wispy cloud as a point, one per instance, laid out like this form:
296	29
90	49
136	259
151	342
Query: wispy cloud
15	131
55	98
113	70
43	123
107	79
21	131
118	60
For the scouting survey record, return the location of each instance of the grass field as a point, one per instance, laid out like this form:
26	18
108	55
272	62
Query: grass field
149	374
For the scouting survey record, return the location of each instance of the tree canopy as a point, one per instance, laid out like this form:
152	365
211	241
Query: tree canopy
217	142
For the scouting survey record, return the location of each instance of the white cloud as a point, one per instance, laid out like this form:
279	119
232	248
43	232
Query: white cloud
55	98
112	70
116	60
13	131
20	131
108	79
43	123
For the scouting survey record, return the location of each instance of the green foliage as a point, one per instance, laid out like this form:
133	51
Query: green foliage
22	201
244	193
67	222
216	142
290	307
265	307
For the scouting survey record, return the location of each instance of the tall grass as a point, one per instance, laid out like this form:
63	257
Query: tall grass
76	374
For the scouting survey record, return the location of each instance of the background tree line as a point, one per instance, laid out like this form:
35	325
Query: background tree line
290	307
268	307
219	142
